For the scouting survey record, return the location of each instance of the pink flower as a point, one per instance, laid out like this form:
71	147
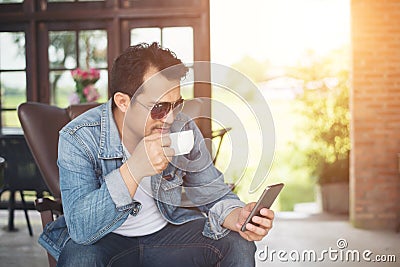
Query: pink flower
94	73
91	93
85	75
77	74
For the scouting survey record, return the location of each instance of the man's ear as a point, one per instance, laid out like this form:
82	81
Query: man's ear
122	101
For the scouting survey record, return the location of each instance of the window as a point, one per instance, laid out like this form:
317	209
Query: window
167	37
72	49
145	35
183	48
10	1
12	76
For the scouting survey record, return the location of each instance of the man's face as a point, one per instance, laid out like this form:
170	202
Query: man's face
157	89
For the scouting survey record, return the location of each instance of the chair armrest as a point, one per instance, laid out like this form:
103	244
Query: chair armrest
220	132
47	204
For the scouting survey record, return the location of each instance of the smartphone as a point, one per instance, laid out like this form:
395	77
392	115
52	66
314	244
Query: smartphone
267	198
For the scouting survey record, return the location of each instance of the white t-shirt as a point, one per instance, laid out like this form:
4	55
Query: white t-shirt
149	219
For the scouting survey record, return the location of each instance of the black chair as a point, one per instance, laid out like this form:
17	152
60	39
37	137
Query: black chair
20	175
42	138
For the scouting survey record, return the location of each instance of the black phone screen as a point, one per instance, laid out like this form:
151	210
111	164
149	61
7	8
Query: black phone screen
265	201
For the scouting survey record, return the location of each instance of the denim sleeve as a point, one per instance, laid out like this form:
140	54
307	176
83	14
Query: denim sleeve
117	188
89	209
218	213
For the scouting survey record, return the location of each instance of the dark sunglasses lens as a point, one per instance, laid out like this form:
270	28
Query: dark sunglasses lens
179	103
160	110
178	106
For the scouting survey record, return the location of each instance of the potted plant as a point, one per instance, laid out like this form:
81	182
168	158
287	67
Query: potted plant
324	104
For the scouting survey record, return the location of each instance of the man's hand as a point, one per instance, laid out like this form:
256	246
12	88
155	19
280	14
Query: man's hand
259	226
151	156
256	230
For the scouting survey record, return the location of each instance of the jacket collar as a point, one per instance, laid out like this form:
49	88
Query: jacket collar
110	142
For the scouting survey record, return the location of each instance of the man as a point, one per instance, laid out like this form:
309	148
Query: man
121	188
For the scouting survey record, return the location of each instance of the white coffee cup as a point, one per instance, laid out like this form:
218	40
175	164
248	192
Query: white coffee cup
182	142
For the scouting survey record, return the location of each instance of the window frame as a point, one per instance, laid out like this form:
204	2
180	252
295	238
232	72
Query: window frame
17	27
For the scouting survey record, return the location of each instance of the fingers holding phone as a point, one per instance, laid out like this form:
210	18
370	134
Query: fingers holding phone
258	216
258	227
264	219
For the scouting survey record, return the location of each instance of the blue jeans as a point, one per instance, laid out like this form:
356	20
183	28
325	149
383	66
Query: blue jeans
174	245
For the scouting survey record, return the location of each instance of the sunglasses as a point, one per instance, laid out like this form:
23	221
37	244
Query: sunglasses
161	110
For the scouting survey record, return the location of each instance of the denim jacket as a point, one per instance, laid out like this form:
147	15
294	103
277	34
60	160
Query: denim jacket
96	200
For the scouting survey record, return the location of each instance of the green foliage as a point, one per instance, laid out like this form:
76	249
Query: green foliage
324	104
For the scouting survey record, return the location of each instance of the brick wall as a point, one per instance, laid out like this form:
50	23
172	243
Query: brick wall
375	107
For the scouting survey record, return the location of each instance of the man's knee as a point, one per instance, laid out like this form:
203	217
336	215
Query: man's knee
238	250
240	245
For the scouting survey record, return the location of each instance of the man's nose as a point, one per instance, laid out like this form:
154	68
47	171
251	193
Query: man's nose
169	119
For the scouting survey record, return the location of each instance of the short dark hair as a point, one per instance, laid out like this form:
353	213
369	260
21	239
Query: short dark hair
129	68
